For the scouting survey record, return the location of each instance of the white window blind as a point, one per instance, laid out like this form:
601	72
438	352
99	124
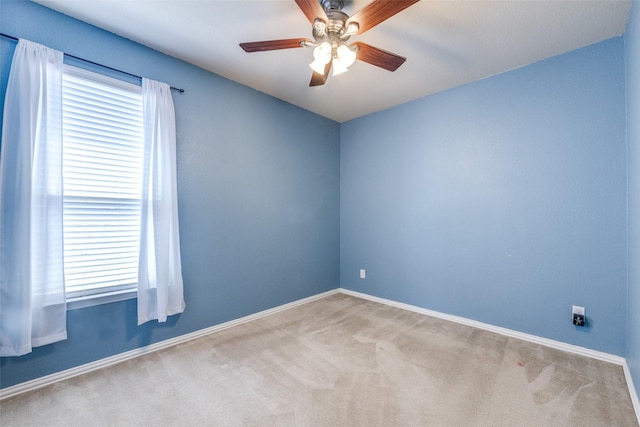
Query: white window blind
102	179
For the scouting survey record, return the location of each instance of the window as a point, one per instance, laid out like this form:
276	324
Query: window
103	137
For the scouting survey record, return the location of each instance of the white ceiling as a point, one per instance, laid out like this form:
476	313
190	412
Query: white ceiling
447	43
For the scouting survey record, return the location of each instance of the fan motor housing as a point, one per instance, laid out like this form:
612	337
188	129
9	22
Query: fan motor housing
337	20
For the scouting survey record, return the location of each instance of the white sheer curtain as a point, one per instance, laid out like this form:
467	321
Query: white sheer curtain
32	299
159	271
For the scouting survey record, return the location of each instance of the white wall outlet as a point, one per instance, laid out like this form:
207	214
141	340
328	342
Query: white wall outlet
363	274
576	309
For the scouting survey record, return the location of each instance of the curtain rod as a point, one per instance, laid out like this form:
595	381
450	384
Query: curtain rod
94	63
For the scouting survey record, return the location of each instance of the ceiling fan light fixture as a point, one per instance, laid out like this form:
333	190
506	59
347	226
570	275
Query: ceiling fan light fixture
331	28
338	67
343	59
318	66
322	52
321	56
346	55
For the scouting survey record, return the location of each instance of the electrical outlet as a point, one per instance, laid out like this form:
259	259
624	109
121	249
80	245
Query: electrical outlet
363	273
578	315
576	309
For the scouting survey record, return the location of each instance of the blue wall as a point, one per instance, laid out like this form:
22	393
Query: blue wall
258	188
632	56
502	201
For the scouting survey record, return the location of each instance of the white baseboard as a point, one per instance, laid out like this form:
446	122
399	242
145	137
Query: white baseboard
12	391
37	383
632	390
497	329
612	358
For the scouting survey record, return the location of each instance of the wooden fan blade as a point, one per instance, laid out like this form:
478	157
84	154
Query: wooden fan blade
378	11
312	10
318	79
272	45
378	57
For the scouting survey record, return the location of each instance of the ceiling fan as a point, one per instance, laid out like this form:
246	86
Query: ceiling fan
331	28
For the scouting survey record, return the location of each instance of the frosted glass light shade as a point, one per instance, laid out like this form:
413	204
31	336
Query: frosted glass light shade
321	55
318	66
338	67
346	55
322	52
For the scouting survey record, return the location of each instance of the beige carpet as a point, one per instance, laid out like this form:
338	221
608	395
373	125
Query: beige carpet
339	361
